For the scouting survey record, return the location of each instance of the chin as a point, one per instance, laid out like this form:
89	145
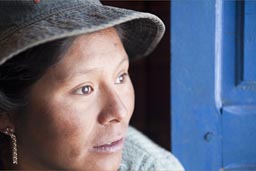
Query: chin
108	162
97	162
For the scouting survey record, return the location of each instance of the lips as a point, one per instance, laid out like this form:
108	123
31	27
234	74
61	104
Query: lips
109	146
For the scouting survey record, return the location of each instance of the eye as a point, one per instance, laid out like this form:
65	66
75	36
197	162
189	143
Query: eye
121	78
85	90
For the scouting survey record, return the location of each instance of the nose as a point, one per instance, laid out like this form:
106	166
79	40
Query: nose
113	109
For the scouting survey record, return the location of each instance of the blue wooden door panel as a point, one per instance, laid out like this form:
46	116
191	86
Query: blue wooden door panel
195	120
213	45
235	69
239	136
249	40
238	85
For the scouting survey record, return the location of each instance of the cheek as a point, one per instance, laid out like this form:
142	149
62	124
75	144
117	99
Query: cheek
58	126
129	98
55	118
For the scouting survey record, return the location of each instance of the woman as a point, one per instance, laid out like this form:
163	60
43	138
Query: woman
65	93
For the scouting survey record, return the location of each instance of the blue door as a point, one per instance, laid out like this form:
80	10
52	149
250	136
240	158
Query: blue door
213	84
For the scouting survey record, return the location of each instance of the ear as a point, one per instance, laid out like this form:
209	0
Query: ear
6	121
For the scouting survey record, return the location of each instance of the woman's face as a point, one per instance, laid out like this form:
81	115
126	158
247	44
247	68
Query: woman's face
80	109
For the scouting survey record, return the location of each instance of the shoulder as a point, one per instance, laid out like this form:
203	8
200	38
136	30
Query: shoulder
140	153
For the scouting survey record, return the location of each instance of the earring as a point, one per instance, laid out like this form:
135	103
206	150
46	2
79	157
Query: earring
10	132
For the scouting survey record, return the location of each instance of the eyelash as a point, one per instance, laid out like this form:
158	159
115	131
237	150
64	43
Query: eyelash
123	75
80	91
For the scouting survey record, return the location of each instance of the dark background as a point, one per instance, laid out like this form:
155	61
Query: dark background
151	78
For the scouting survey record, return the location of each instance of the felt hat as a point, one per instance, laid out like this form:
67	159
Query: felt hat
28	23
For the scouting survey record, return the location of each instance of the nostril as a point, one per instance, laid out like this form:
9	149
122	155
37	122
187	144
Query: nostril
107	117
112	113
112	106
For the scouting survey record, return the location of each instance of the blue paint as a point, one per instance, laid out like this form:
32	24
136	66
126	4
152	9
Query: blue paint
195	119
238	84
249	40
241	110
218	53
241	166
238	136
236	88
213	71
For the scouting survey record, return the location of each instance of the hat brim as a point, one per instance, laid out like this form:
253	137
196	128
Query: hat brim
142	31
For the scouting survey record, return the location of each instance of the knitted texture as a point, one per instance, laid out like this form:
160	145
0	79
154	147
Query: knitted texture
141	154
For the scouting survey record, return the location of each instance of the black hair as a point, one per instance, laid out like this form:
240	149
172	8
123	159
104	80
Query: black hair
19	73
24	69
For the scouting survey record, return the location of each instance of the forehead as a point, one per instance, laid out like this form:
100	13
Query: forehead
102	49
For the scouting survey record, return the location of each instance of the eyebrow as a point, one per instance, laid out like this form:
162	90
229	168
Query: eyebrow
82	72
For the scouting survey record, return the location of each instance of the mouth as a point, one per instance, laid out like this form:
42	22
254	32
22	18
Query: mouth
109	147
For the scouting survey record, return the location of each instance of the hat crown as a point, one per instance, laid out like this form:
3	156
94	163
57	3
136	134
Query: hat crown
25	24
15	13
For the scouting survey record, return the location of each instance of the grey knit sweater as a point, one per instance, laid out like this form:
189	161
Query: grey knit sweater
141	154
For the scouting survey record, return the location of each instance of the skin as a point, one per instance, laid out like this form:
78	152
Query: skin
85	100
